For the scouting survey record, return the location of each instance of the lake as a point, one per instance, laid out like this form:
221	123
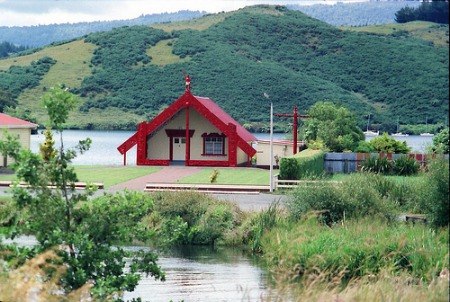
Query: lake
104	145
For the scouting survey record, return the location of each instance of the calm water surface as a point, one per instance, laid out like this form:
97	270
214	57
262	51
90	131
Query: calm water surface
104	145
200	273
205	274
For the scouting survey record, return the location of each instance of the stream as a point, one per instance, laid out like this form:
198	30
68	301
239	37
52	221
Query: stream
199	273
205	274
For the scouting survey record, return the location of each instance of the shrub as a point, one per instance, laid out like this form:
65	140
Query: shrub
441	142
405	166
7	211
288	168
357	196
317	197
364	147
192	218
377	164
434	193
213	176
386	144
402	165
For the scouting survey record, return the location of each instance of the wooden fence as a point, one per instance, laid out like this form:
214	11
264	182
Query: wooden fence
351	162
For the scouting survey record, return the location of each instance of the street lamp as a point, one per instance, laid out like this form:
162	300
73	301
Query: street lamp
271	143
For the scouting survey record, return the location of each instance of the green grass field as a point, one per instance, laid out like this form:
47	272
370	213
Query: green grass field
230	176
110	176
427	31
162	54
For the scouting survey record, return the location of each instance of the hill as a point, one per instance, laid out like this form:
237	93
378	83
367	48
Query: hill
41	35
356	14
339	14
130	74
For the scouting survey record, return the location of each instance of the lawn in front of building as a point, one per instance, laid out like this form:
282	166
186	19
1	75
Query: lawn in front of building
107	175
230	176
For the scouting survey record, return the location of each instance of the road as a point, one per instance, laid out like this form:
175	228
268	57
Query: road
247	202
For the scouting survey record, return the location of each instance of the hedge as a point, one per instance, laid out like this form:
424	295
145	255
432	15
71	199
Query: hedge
305	164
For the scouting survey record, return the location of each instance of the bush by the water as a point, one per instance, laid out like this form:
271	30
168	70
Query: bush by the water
192	218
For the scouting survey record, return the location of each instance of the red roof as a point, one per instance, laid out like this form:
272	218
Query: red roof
206	107
223	116
7	121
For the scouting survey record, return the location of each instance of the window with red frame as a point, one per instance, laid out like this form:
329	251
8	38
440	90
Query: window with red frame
213	144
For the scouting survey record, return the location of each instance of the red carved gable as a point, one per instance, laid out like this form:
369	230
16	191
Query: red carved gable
208	109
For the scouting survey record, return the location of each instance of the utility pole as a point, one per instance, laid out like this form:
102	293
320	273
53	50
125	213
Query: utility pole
271	143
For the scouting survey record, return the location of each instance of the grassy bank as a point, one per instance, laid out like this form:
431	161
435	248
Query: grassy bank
359	260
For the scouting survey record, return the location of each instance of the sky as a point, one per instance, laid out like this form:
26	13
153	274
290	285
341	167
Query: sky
40	12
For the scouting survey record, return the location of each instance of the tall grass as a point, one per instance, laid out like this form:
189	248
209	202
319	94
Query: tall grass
253	230
310	252
363	253
381	288
434	193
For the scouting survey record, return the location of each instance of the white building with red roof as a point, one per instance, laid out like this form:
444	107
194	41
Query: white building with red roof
16	126
193	131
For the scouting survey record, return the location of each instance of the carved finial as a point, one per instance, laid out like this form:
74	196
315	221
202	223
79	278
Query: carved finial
188	81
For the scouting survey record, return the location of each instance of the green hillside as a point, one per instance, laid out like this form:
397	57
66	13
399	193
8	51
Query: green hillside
130	74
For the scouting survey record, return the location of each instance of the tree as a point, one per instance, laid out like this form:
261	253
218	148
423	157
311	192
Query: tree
83	229
386	144
441	142
406	14
6	100
334	125
434	11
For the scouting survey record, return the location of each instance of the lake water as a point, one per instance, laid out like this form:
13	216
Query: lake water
104	145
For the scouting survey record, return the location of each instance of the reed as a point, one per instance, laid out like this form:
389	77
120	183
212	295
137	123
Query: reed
356	249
